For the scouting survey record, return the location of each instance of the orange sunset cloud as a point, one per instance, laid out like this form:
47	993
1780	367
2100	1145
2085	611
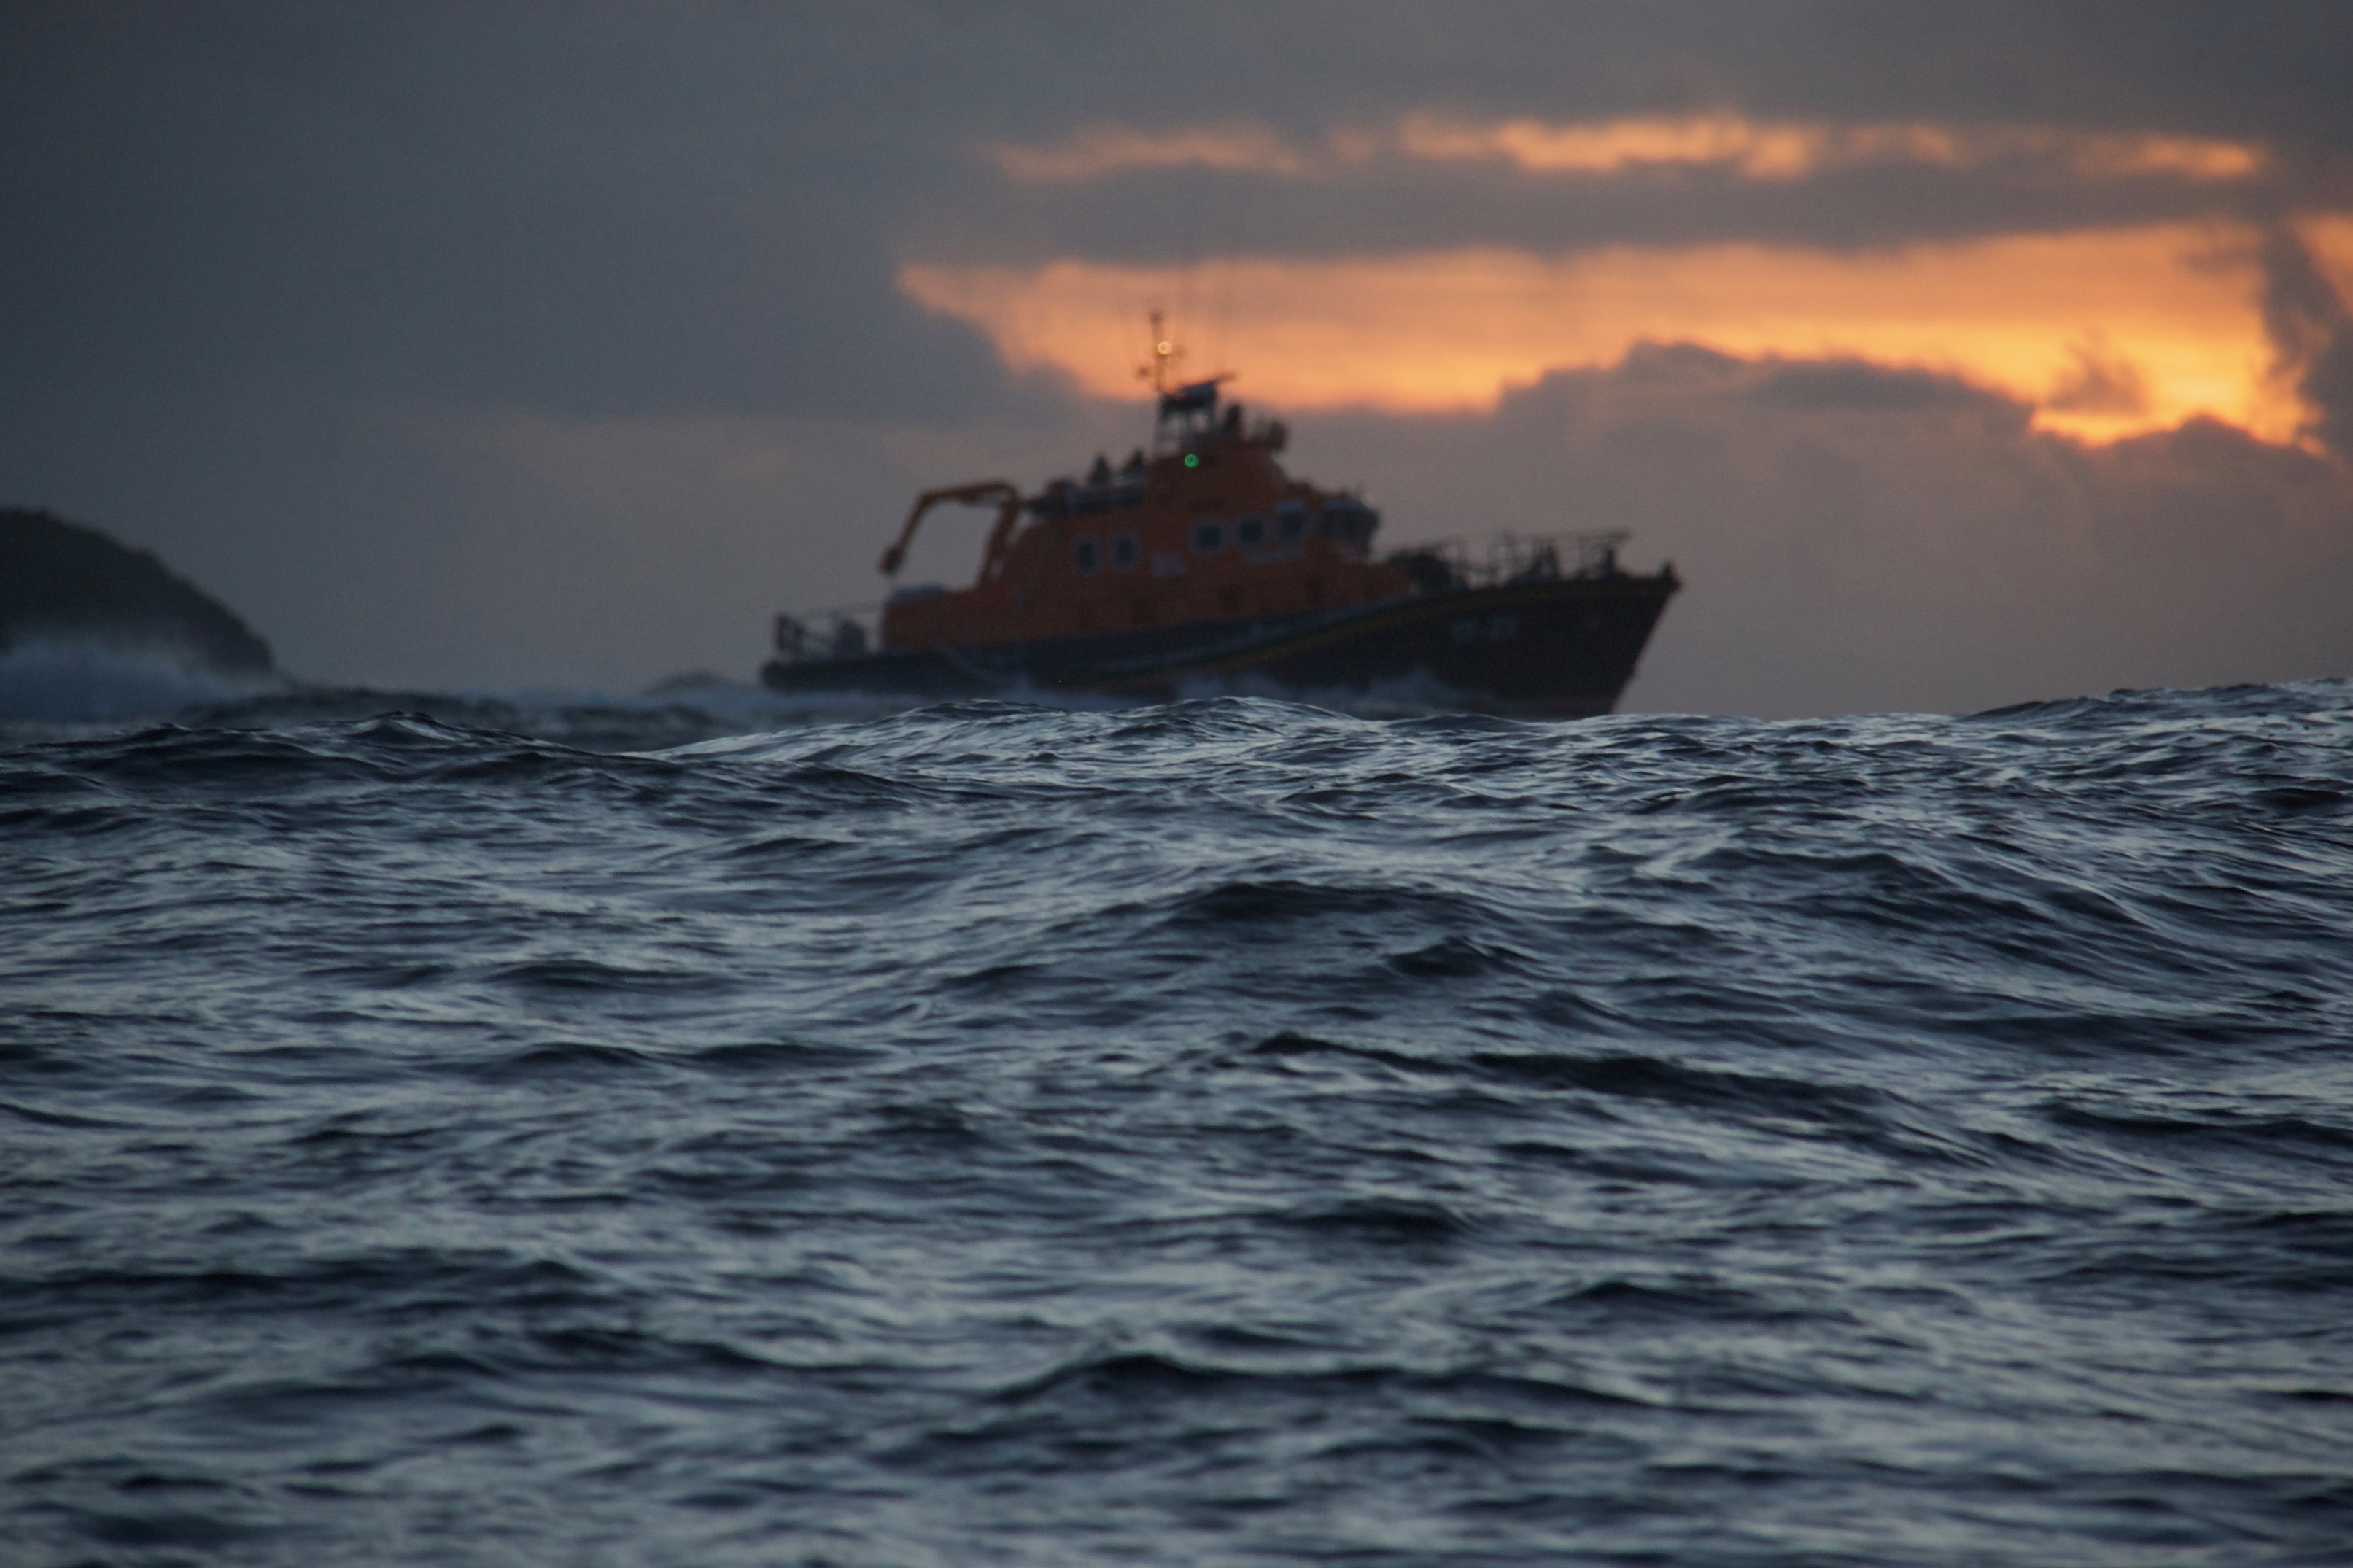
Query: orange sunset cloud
1791	149
1099	150
1752	149
2103	333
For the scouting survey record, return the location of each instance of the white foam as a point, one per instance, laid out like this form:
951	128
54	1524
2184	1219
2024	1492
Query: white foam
70	679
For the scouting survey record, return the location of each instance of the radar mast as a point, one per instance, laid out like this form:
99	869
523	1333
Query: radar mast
1184	414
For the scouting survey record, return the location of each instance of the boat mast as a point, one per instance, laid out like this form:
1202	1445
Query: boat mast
1191	408
1163	350
1156	371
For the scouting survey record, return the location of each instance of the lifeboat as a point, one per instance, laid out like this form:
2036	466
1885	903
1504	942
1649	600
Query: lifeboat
1203	567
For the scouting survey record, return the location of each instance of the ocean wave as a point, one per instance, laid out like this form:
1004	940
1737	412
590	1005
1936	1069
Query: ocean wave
1227	1130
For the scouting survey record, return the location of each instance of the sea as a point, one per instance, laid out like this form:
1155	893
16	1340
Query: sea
473	1130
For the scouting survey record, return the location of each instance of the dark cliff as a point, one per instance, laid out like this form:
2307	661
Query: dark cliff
61	580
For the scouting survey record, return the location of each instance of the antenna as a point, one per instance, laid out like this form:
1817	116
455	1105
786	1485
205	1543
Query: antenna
1164	350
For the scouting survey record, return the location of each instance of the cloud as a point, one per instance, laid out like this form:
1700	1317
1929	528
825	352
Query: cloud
1093	152
1790	150
2102	382
1765	150
2104	334
2327	241
625	215
2304	306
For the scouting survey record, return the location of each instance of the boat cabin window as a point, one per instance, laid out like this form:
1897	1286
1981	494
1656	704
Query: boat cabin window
1291	521
1125	551
1249	533
1086	554
1210	537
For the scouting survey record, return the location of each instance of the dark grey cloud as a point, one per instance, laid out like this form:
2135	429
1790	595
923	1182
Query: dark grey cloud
1855	384
596	211
2206	68
2314	333
1177	214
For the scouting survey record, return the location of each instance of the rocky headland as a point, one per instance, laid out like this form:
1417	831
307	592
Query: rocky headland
62	582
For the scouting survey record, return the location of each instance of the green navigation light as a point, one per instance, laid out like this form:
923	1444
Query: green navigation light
1192	460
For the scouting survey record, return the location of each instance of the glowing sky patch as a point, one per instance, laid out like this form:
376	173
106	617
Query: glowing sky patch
2106	333
1789	149
1750	149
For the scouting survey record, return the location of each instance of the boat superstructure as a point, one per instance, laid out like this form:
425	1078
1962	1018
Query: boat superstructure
1202	564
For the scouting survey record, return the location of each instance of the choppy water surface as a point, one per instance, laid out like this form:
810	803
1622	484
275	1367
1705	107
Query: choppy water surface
1218	1133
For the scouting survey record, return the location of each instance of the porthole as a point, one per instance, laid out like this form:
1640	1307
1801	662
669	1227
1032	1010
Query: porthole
1125	551
1209	538
1086	554
1291	521
1249	533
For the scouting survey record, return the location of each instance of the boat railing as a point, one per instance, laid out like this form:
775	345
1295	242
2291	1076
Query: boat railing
842	631
1441	564
1071	498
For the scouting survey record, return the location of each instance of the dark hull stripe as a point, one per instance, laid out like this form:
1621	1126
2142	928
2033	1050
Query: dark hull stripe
1563	648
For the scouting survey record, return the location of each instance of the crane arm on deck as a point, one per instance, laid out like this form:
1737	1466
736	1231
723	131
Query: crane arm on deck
1009	500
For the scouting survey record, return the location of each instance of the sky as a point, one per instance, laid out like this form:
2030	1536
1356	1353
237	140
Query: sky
1956	356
